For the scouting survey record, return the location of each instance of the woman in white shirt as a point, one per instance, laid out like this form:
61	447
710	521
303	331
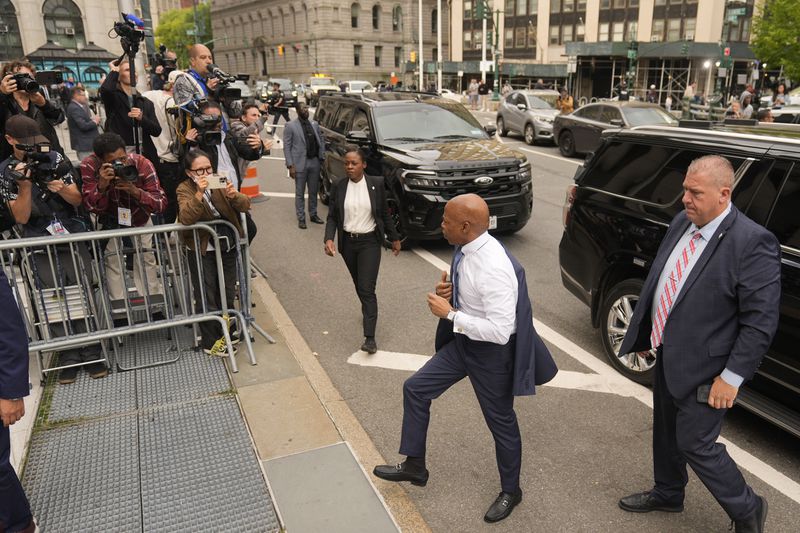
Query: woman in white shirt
359	213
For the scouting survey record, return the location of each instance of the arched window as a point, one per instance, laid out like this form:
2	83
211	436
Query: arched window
376	17
10	39
93	74
397	18
355	9
434	21
294	21
63	23
271	24
305	18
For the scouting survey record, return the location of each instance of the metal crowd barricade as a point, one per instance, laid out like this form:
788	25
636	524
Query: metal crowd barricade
61	284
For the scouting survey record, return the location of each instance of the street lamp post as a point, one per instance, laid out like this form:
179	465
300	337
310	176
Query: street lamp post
496	48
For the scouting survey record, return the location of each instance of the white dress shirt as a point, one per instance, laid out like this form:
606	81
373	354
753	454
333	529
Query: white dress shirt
487	292
357	208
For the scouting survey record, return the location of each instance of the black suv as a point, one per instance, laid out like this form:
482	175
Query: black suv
428	149
620	206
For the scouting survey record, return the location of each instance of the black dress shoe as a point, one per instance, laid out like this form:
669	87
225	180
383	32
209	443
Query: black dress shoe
301	224
369	346
502	506
755	522
399	472
316	220
644	502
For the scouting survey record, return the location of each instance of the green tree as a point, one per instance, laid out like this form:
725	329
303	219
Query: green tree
176	31
776	39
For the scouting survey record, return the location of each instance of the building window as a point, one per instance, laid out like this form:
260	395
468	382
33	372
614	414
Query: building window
468	13
522	7
509	40
434	21
567	33
378	54
354	11
633	28
745	30
580	32
661	2
11	37
533	7
398	55
356	55
509	9
602	34
568	6
467	40
673	29
376	17
519	37
581	5
633	3
63	23
554	36
555	7
605	4
336	14
658	30
689	26
619	3
397	18
618	31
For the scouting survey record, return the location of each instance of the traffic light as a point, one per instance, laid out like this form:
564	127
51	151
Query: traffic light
727	51
280	49
413	56
482	9
685	49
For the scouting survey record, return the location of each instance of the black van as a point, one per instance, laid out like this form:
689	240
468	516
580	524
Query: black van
620	206
428	149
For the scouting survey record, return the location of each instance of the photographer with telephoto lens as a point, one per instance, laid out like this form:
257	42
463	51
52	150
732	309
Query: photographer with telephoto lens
20	94
38	185
124	191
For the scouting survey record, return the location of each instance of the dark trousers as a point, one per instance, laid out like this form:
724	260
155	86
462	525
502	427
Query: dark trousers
363	259
489	367
206	282
308	177
685	431
279	112
169	174
15	511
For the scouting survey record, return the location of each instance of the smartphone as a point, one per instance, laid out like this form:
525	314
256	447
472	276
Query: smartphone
217	181
702	393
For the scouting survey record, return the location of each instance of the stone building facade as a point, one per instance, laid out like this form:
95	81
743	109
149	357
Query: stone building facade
364	39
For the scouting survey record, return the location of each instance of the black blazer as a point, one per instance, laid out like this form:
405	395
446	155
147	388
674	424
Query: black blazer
380	210
727	312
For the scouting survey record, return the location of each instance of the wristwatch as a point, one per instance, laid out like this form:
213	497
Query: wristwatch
451	315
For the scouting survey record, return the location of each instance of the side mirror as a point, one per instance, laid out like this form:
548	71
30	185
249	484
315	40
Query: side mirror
522	107
491	129
617	122
358	137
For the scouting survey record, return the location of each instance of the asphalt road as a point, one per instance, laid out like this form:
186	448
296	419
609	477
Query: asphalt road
583	449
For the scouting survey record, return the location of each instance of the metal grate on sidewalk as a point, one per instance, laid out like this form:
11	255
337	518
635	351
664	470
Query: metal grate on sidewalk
156	449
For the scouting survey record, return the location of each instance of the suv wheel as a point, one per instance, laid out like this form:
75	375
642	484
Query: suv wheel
501	127
615	317
566	144
396	214
530	134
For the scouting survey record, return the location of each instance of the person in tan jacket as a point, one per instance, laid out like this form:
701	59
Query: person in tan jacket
199	203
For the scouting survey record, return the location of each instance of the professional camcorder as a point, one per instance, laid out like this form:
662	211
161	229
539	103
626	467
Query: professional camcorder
167	64
223	77
125	172
41	164
207	127
128	29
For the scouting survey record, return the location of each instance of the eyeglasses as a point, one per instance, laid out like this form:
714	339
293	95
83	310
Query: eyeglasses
201	171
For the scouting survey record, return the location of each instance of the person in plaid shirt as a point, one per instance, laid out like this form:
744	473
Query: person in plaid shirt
122	201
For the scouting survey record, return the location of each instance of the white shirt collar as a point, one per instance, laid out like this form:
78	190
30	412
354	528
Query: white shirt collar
709	229
475	245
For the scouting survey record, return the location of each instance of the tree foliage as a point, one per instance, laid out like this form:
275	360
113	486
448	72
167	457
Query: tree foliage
173	26
776	36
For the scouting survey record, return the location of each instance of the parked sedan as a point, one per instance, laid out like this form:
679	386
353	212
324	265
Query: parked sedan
579	132
530	113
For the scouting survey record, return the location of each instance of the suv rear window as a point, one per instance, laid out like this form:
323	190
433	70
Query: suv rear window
644	172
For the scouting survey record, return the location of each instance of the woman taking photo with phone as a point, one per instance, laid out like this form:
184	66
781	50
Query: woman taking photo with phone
204	196
358	212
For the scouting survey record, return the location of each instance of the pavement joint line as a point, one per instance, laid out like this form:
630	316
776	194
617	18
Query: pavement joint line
743	458
400	506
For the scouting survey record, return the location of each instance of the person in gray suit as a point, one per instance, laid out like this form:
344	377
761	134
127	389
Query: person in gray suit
304	151
709	308
82	125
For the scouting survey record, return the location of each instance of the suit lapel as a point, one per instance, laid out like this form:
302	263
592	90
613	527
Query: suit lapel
708	251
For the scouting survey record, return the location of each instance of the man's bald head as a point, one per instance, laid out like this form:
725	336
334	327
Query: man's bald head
466	217
199	58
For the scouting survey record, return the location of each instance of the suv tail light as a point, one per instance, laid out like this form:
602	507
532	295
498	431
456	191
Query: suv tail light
568	201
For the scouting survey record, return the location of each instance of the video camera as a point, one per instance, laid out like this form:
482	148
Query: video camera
128	30
223	77
161	60
41	165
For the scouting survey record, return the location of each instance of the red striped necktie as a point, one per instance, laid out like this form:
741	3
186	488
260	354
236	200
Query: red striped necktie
670	290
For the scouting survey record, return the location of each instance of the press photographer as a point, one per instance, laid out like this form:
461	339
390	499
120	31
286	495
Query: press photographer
165	62
242	130
124	191
21	94
38	186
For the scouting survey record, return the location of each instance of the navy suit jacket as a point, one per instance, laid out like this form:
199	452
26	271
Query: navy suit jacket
14	358
727	311
533	364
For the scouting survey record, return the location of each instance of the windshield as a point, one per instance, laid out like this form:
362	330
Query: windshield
322	81
426	121
286	85
360	85
643	116
542	102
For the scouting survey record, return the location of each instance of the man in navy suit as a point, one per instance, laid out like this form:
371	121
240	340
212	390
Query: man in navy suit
485	333
15	512
710	308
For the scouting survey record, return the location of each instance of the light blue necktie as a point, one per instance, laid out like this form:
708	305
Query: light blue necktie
457	257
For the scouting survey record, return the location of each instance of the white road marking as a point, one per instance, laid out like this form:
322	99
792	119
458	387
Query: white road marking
278	194
609	380
551	156
410	362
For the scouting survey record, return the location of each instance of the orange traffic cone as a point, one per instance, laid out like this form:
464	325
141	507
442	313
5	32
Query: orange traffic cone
250	183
